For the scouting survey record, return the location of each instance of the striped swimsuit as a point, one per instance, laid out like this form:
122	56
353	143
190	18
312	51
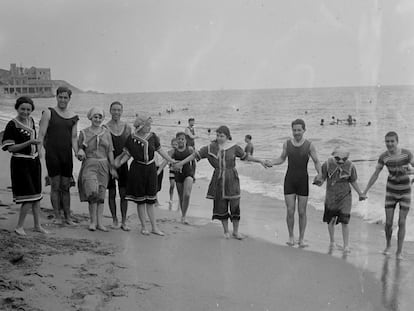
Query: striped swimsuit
398	183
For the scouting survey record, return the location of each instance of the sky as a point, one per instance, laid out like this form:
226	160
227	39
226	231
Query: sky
174	45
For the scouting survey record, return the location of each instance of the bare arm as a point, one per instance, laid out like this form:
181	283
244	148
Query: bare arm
315	159
164	162
43	125
282	158
75	138
250	158
354	185
18	147
165	155
188	132
121	159
373	179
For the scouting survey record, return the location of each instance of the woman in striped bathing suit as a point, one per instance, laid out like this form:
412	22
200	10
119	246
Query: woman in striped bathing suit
398	188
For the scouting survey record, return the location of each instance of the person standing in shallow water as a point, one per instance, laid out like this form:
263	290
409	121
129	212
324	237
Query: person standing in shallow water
296	185
20	140
398	189
142	176
58	135
224	187
119	131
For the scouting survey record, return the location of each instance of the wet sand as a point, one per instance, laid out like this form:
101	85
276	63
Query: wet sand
192	267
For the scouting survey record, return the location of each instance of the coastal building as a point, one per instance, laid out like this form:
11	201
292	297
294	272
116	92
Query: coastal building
33	82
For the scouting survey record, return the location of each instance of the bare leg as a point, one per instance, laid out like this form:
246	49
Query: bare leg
171	191
225	224
55	197
65	198
180	191
331	230
302	202
36	216
290	200
112	206
153	220
124	208
188	186
142	218
22	216
345	237
92	216
401	232
99	217
389	220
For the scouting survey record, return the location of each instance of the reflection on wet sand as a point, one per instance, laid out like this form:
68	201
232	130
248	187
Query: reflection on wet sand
391	281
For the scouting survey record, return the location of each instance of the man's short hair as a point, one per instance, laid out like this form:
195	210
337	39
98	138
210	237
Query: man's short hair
116	103
392	134
299	122
63	89
180	134
191	119
248	136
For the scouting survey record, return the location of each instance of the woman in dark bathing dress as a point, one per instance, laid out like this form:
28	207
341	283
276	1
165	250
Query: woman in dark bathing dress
20	139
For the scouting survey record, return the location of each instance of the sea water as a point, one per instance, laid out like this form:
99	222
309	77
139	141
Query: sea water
267	116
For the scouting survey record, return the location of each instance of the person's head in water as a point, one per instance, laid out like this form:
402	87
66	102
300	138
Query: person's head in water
391	141
223	134
247	138
181	140
298	129
322	121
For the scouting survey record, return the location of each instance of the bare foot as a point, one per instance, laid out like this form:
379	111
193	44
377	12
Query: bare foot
125	227
346	249
184	221
386	251
170	203
20	231
41	230
157	232
102	228
145	231
238	236
57	221
302	244
115	225
226	235
399	256
92	227
70	222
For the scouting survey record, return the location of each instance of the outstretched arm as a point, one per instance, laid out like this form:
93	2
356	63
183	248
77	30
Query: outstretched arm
373	179
121	159
250	158
281	159
165	155
180	164
43	125
316	162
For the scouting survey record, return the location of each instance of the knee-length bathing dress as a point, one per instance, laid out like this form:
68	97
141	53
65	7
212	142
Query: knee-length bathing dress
224	187
25	168
95	171
142	174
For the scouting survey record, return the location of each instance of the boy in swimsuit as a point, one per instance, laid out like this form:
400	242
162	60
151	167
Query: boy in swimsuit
398	188
296	185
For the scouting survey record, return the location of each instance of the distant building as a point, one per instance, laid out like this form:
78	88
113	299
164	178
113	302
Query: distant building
34	82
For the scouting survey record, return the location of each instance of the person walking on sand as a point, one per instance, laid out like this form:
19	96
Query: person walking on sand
174	146
339	173
96	153
142	175
296	184
398	189
58	135
185	176
120	131
224	187
20	140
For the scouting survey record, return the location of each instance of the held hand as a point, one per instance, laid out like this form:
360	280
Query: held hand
362	197
263	163
35	141
114	173
317	181
81	155
268	164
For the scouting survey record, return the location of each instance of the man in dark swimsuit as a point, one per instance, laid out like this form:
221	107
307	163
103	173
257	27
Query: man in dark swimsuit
296	186
58	134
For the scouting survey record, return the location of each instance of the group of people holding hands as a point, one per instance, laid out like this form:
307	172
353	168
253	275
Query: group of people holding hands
106	149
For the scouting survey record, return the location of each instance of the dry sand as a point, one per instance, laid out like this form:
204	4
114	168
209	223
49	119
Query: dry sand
191	268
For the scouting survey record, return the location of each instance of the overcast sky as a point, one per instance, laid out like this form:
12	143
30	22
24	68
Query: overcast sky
160	45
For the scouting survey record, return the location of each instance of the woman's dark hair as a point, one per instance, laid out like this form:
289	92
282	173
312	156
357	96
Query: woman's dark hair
224	130
24	100
116	103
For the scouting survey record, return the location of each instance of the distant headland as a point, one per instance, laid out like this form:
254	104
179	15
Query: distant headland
33	82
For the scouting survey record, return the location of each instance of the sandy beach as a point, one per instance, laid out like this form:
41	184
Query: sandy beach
191	268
